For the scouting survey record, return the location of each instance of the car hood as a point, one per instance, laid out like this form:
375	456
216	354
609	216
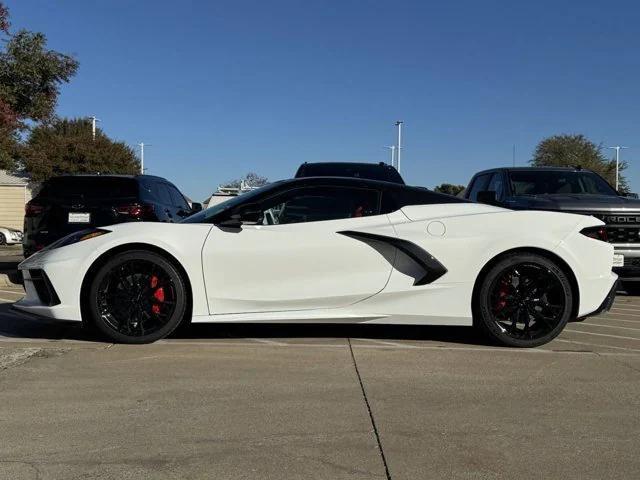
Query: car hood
577	203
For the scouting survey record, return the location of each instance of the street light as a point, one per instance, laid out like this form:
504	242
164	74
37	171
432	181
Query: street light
142	145
393	153
617	149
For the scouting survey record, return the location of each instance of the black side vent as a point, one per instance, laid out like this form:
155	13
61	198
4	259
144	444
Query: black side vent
43	287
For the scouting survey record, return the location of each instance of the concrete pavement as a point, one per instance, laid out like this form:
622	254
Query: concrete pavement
325	402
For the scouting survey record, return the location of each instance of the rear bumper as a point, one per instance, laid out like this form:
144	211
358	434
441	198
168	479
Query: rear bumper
607	303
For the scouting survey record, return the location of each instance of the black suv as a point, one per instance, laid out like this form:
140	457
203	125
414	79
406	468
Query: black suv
372	171
571	190
70	203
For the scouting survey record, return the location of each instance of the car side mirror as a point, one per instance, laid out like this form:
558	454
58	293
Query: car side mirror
196	207
233	221
488	197
250	215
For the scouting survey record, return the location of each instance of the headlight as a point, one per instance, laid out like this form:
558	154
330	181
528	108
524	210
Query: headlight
76	237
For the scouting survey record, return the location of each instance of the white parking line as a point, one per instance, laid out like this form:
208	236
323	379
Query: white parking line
624	314
601	334
608	326
626	309
613	317
269	342
14	292
385	342
597	345
609	319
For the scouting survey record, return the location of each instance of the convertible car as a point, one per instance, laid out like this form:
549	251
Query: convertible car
330	250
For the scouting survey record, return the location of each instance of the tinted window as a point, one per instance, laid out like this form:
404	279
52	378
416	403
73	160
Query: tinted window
89	188
316	204
497	185
384	173
177	200
163	194
480	184
396	198
549	182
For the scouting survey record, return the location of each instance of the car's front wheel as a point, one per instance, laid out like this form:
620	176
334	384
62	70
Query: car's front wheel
136	297
524	300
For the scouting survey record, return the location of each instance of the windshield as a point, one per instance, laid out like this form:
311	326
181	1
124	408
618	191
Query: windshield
558	182
205	216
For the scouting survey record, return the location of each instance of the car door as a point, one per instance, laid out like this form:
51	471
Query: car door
295	257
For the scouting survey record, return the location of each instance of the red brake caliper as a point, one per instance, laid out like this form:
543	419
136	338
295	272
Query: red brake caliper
158	295
501	301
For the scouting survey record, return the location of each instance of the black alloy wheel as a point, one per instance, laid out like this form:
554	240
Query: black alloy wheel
525	300
137	297
3	239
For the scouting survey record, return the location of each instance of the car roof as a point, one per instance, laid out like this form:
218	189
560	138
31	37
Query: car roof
534	169
343	181
109	175
348	164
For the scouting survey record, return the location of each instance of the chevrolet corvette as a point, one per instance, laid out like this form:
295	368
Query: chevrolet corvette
330	250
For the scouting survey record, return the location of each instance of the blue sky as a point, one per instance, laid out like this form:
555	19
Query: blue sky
220	88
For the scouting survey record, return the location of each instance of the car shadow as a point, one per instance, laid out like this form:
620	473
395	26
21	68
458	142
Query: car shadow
16	325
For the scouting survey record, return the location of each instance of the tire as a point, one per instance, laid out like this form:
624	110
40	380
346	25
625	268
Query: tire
524	300
632	288
3	239
136	297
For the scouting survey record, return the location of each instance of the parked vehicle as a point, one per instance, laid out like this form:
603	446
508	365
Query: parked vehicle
572	190
10	236
72	203
330	250
372	171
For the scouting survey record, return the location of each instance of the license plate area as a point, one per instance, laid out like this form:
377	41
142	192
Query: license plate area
618	260
79	217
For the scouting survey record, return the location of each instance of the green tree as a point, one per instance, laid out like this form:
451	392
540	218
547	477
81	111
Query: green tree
30	80
251	179
449	188
577	150
67	146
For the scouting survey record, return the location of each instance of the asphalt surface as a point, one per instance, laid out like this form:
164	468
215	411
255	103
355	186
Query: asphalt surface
319	402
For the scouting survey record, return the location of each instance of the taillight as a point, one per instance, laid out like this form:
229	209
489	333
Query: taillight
138	211
599	233
32	209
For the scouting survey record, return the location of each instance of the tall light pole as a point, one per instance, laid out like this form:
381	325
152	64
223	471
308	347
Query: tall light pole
399	146
93	126
393	153
617	149
142	145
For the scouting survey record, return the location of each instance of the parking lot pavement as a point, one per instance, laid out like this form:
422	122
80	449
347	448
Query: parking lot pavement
306	401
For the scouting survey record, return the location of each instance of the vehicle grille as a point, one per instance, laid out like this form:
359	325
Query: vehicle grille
632	261
623	234
43	287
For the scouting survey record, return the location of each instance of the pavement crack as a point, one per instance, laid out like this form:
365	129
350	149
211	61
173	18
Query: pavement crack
369	411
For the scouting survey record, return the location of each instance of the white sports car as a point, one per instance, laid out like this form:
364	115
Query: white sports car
331	250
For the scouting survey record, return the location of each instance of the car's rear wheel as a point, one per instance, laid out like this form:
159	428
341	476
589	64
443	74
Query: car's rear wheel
3	239
524	300
137	297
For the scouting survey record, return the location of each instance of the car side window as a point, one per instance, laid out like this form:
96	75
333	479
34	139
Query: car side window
497	185
316	204
162	192
177	200
479	184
